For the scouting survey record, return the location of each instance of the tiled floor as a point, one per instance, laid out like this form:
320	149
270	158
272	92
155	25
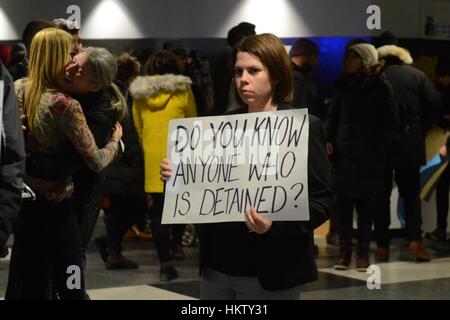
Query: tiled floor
400	279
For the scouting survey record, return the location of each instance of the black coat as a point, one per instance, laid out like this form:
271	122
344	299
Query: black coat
361	123
306	93
283	257
418	102
12	162
125	176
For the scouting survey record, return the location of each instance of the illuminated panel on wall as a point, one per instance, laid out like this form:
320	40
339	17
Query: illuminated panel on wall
269	16
110	20
7	31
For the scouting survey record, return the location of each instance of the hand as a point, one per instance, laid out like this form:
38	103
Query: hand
329	149
255	222
117	133
23	121
165	170
443	151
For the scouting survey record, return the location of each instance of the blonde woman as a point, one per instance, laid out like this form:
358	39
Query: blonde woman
47	235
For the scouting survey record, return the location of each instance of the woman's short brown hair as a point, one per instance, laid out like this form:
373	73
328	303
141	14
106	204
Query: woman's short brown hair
163	62
128	67
270	51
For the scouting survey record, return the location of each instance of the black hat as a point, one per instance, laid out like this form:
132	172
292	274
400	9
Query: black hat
304	47
176	47
386	38
237	33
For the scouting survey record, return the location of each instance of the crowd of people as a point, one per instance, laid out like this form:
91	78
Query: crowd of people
93	130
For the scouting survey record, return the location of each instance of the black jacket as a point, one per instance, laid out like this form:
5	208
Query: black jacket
361	124
418	102
283	257
306	93
12	162
125	176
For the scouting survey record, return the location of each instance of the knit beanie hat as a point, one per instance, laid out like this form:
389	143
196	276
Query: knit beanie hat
366	52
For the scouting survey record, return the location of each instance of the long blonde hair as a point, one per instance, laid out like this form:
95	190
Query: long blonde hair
49	55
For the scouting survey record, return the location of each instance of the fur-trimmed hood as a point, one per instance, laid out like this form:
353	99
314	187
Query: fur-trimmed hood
150	86
394	51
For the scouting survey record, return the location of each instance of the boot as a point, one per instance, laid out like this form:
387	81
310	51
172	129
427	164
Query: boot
382	254
418	251
345	256
102	244
177	251
167	272
116	261
362	257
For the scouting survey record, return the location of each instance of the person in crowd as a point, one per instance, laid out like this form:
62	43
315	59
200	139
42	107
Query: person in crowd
47	234
162	95
20	69
304	56
91	75
199	70
249	264
222	71
12	160
124	185
74	29
360	125
418	102
443	185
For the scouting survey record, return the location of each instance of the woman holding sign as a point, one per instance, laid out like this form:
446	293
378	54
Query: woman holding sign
261	259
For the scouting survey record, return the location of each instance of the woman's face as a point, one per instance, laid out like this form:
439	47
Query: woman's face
352	63
77	76
252	81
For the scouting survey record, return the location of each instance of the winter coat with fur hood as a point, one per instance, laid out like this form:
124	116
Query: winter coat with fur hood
157	100
417	99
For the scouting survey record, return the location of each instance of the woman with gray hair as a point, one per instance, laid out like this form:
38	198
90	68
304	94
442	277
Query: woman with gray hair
88	79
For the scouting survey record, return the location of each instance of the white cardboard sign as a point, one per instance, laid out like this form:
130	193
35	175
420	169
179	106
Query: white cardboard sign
223	165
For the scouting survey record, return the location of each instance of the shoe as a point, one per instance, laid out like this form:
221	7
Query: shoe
362	257
117	261
316	250
102	244
419	252
345	256
178	252
382	254
332	238
167	272
145	236
135	234
436	236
